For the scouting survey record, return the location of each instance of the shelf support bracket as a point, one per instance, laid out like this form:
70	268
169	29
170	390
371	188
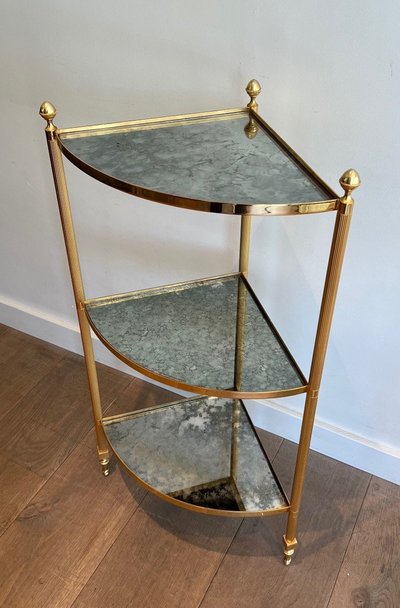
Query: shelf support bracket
349	181
48	113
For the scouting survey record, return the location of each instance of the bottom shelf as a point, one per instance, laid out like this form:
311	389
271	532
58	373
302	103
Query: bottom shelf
200	453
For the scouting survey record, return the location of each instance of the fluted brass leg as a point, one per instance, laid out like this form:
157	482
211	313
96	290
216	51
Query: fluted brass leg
48	112
349	181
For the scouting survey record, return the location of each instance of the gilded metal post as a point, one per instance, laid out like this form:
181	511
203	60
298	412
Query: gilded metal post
48	112
349	181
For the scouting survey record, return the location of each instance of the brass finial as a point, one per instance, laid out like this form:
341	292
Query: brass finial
47	112
253	89
349	181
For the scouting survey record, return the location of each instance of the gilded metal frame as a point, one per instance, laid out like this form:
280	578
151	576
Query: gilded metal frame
343	207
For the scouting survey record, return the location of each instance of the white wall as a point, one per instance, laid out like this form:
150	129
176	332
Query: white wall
330	73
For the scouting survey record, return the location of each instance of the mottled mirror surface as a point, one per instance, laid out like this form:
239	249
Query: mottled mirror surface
203	451
211	334
210	160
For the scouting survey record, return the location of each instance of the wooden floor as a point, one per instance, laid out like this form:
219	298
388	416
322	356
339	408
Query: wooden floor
70	537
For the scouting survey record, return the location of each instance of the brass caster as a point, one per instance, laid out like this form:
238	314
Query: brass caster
288	550
104	462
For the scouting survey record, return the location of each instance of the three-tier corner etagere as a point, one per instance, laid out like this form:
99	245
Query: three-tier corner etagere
208	336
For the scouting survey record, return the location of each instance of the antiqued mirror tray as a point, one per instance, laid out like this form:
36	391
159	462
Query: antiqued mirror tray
202	454
227	161
209	336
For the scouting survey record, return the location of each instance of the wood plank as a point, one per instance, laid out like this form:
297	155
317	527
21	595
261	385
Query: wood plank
33	446
58	540
370	574
3	329
173	555
141	394
43	428
18	485
253	570
24	361
62	401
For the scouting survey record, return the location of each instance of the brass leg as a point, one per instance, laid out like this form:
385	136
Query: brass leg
102	444
349	181
48	112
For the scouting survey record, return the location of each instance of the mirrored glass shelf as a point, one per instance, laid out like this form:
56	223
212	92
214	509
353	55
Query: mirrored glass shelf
209	336
228	161
199	453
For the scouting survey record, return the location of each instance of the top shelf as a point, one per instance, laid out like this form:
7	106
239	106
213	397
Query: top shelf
227	161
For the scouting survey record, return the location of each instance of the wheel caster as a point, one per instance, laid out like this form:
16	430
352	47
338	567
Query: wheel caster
104	466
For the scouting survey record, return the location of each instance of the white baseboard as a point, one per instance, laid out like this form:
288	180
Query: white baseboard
61	332
371	456
360	452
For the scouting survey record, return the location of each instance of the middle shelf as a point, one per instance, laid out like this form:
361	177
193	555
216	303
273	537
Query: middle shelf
208	336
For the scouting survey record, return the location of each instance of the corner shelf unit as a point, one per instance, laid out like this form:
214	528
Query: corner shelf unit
211	336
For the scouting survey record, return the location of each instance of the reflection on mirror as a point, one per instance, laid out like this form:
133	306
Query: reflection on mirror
251	129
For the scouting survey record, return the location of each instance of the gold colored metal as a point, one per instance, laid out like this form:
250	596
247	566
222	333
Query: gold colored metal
172	499
350	181
128	295
253	89
201	390
289	548
230	208
244	252
48	112
245	235
251	129
104	462
148	123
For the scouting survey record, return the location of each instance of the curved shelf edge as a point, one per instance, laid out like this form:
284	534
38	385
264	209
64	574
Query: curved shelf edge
229	390
191	388
190	507
257	209
181	503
